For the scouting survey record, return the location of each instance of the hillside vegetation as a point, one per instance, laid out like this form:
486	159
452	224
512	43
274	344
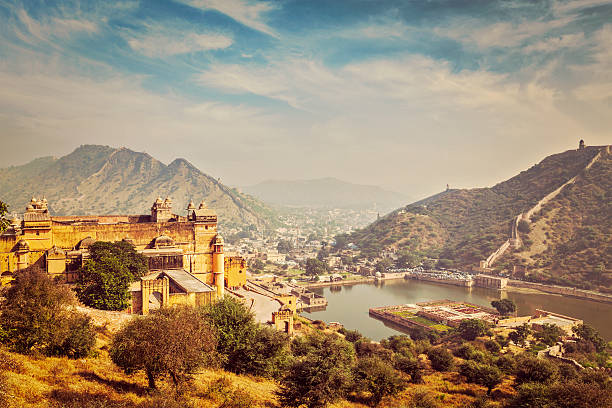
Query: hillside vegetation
467	225
105	180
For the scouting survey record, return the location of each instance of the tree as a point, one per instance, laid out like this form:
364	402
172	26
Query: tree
321	372
4	222
408	259
173	341
104	280
411	366
469	329
244	346
533	369
520	334
504	306
378	378
549	334
483	374
441	359
523	227
284	246
38	315
383	265
315	267
588	333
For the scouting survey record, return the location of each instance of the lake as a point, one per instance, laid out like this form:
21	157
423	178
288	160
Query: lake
349	304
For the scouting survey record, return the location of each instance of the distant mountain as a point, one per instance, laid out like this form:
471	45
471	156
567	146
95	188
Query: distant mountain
569	240
104	180
325	192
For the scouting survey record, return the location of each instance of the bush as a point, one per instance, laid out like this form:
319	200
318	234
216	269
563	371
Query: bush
377	378
38	315
321	372
410	366
469	329
173	341
504	306
441	359
492	346
244	346
533	369
482	374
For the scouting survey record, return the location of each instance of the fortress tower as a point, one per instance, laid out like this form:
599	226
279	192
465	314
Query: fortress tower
219	265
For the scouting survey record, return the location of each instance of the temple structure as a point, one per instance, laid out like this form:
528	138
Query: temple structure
185	254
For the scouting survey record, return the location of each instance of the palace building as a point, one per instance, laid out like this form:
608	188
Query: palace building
185	253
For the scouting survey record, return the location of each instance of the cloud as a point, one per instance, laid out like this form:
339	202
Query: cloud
572	6
501	35
161	42
250	13
553	44
42	31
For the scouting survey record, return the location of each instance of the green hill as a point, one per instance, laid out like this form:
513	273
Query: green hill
467	225
104	180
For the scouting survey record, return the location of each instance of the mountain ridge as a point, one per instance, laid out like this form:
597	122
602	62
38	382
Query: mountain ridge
103	180
465	226
324	192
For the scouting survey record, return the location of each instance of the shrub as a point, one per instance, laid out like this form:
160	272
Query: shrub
441	359
533	369
244	346
377	378
321	373
469	329
504	306
482	374
492	346
173	341
410	366
38	316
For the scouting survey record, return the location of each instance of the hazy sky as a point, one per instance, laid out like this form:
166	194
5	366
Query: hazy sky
409	95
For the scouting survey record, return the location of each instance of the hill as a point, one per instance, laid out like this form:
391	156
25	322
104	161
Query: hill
325	192
105	180
465	226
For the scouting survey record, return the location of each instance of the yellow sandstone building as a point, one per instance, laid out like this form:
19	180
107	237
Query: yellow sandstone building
185	253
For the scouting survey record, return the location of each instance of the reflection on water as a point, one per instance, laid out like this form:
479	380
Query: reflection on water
349	305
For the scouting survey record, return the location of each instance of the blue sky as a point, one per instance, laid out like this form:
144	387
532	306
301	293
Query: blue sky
409	95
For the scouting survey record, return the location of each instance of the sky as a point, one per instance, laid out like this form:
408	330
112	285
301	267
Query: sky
407	95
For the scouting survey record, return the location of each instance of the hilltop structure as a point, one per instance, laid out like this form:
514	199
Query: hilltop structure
185	253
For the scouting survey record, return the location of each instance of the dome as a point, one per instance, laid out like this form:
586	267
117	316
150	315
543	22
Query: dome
163	241
190	206
168	200
218	240
23	246
85	243
202	205
30	207
158	201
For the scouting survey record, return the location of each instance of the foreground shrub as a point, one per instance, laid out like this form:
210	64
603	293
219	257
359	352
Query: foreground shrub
245	347
321	372
411	366
378	378
533	369
483	374
441	359
173	341
38	315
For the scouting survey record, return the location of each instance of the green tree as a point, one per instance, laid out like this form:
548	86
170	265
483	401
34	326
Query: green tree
284	246
483	374
378	378
321	372
173	341
549	334
590	334
520	334
504	306
523	227
4	221
533	369
383	265
408	259
411	366
38	315
441	359
244	346
315	267
469	329
104	280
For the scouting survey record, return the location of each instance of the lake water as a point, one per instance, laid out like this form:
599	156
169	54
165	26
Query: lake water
349	305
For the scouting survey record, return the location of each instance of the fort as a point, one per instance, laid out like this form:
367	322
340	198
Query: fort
184	253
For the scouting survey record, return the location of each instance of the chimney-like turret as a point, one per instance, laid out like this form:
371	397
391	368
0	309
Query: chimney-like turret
219	266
